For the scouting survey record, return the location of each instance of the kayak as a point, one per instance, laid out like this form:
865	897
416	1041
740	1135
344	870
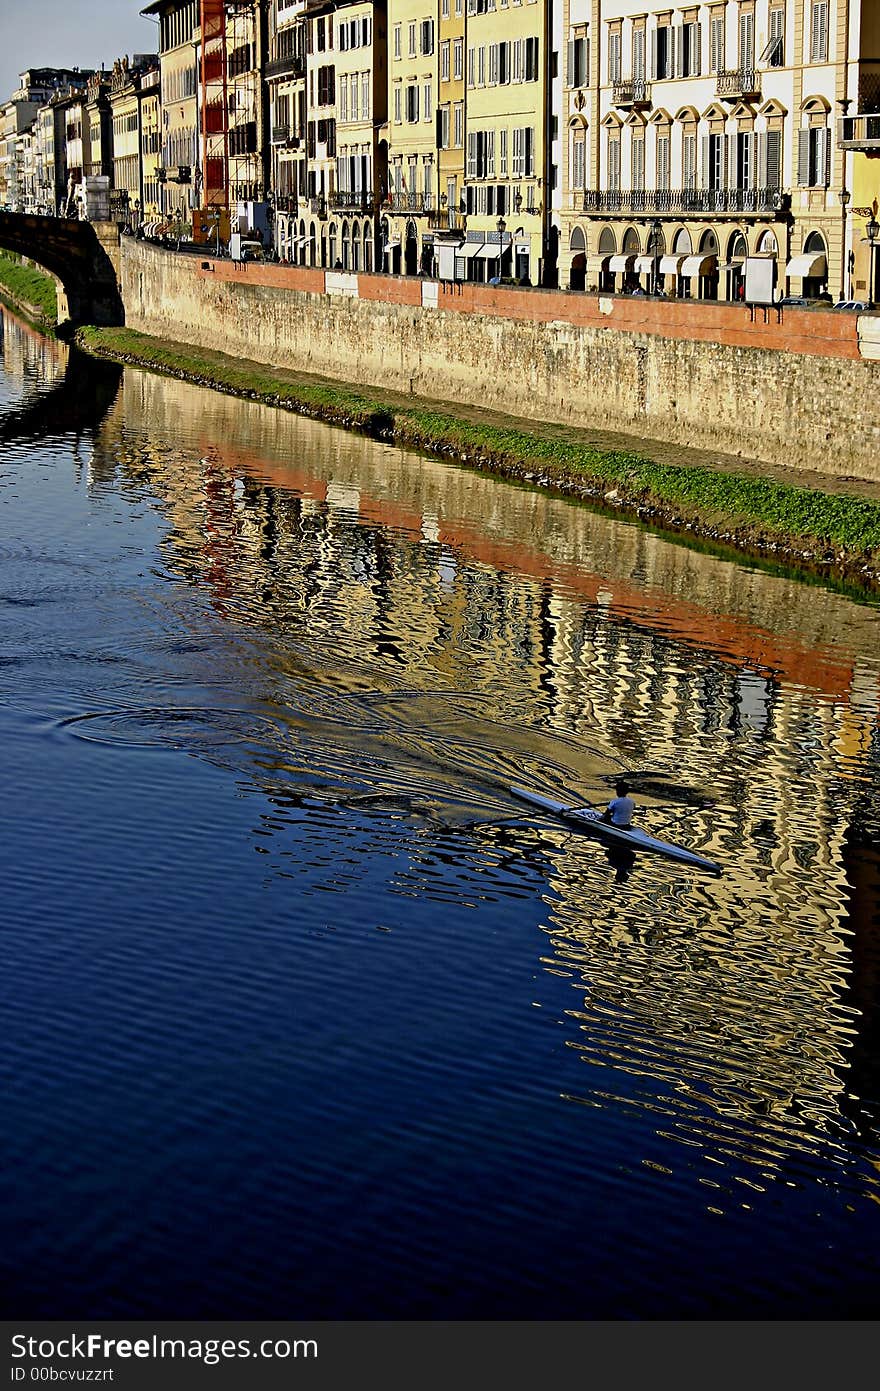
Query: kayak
590	819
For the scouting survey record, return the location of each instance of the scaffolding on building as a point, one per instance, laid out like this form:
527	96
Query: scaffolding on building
230	148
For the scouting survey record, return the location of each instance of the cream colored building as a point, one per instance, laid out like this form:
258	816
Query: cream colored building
508	130
412	195
702	135
286	83
179	53
150	126
361	158
448	216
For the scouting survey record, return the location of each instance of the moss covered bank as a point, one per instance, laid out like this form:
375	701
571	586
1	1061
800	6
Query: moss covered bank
820	532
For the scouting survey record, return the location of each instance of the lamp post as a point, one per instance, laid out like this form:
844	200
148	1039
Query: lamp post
843	198
872	231
656	234
501	225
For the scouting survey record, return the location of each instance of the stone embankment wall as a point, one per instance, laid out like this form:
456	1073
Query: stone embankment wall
790	387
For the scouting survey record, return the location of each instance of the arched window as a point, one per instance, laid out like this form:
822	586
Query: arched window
331	244
346	251
313	245
368	247
811	266
682	245
356	246
734	267
577	154
814	144
578	247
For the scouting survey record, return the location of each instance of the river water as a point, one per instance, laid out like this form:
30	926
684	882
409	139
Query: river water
303	1015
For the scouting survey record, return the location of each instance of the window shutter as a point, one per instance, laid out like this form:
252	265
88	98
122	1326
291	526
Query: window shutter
490	154
696	55
824	160
774	159
638	54
571	72
803	157
705	179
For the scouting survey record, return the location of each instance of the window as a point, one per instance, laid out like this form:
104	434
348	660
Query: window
689	161
355	105
716	42
814	150
493	65
397	104
326	86
613	160
690	50
638	162
531	60
774	53
481	67
819	32
343	101
444	9
458	125
472	69
444	60
613	56
663	52
523	152
427	102
502	154
714	161
397	40
578	160
747	39
457	58
412	103
745	159
427	37
638	70
771	160
365	96
443	128
413	28
663	156
577	63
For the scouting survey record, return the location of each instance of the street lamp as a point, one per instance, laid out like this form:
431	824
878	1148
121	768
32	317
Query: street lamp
843	198
872	231
501	225
656	243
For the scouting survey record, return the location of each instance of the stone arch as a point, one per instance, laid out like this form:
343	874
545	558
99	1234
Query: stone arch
368	247
631	241
577	245
681	243
607	241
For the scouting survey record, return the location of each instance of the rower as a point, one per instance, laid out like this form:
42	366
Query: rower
619	811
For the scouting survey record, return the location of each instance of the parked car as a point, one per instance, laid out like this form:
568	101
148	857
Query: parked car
859	305
796	301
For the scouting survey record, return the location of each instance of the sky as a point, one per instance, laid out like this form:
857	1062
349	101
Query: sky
69	33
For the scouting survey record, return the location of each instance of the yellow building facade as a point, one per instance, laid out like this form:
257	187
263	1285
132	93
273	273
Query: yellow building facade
412	193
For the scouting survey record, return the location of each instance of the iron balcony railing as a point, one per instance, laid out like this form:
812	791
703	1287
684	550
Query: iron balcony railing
292	66
318	206
738	82
684	200
445	219
353	200
412	202
285	202
860	132
631	91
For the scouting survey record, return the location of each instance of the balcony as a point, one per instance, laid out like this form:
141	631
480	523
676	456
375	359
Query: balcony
286	203
358	200
701	201
280	135
293	66
411	202
445	219
318	206
737	84
632	92
860	133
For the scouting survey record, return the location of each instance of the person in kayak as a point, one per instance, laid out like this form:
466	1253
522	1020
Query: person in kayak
619	811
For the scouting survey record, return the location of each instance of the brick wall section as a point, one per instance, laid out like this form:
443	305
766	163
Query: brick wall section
650	368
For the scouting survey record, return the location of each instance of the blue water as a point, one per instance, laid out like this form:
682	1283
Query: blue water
302	1015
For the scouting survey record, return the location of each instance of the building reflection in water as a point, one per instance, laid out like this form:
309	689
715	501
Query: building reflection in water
424	635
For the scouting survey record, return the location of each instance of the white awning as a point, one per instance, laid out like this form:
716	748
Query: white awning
698	265
644	264
731	265
626	262
811	265
491	252
392	245
302	241
598	264
470	249
669	265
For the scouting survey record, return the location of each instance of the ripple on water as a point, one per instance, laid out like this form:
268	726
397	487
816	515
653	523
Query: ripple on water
154	727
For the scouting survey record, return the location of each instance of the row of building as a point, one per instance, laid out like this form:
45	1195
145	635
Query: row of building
592	144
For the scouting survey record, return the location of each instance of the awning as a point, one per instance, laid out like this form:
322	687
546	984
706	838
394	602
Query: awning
392	245
813	265
626	262
645	264
698	265
598	264
490	252
669	265
731	265
302	241
470	249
